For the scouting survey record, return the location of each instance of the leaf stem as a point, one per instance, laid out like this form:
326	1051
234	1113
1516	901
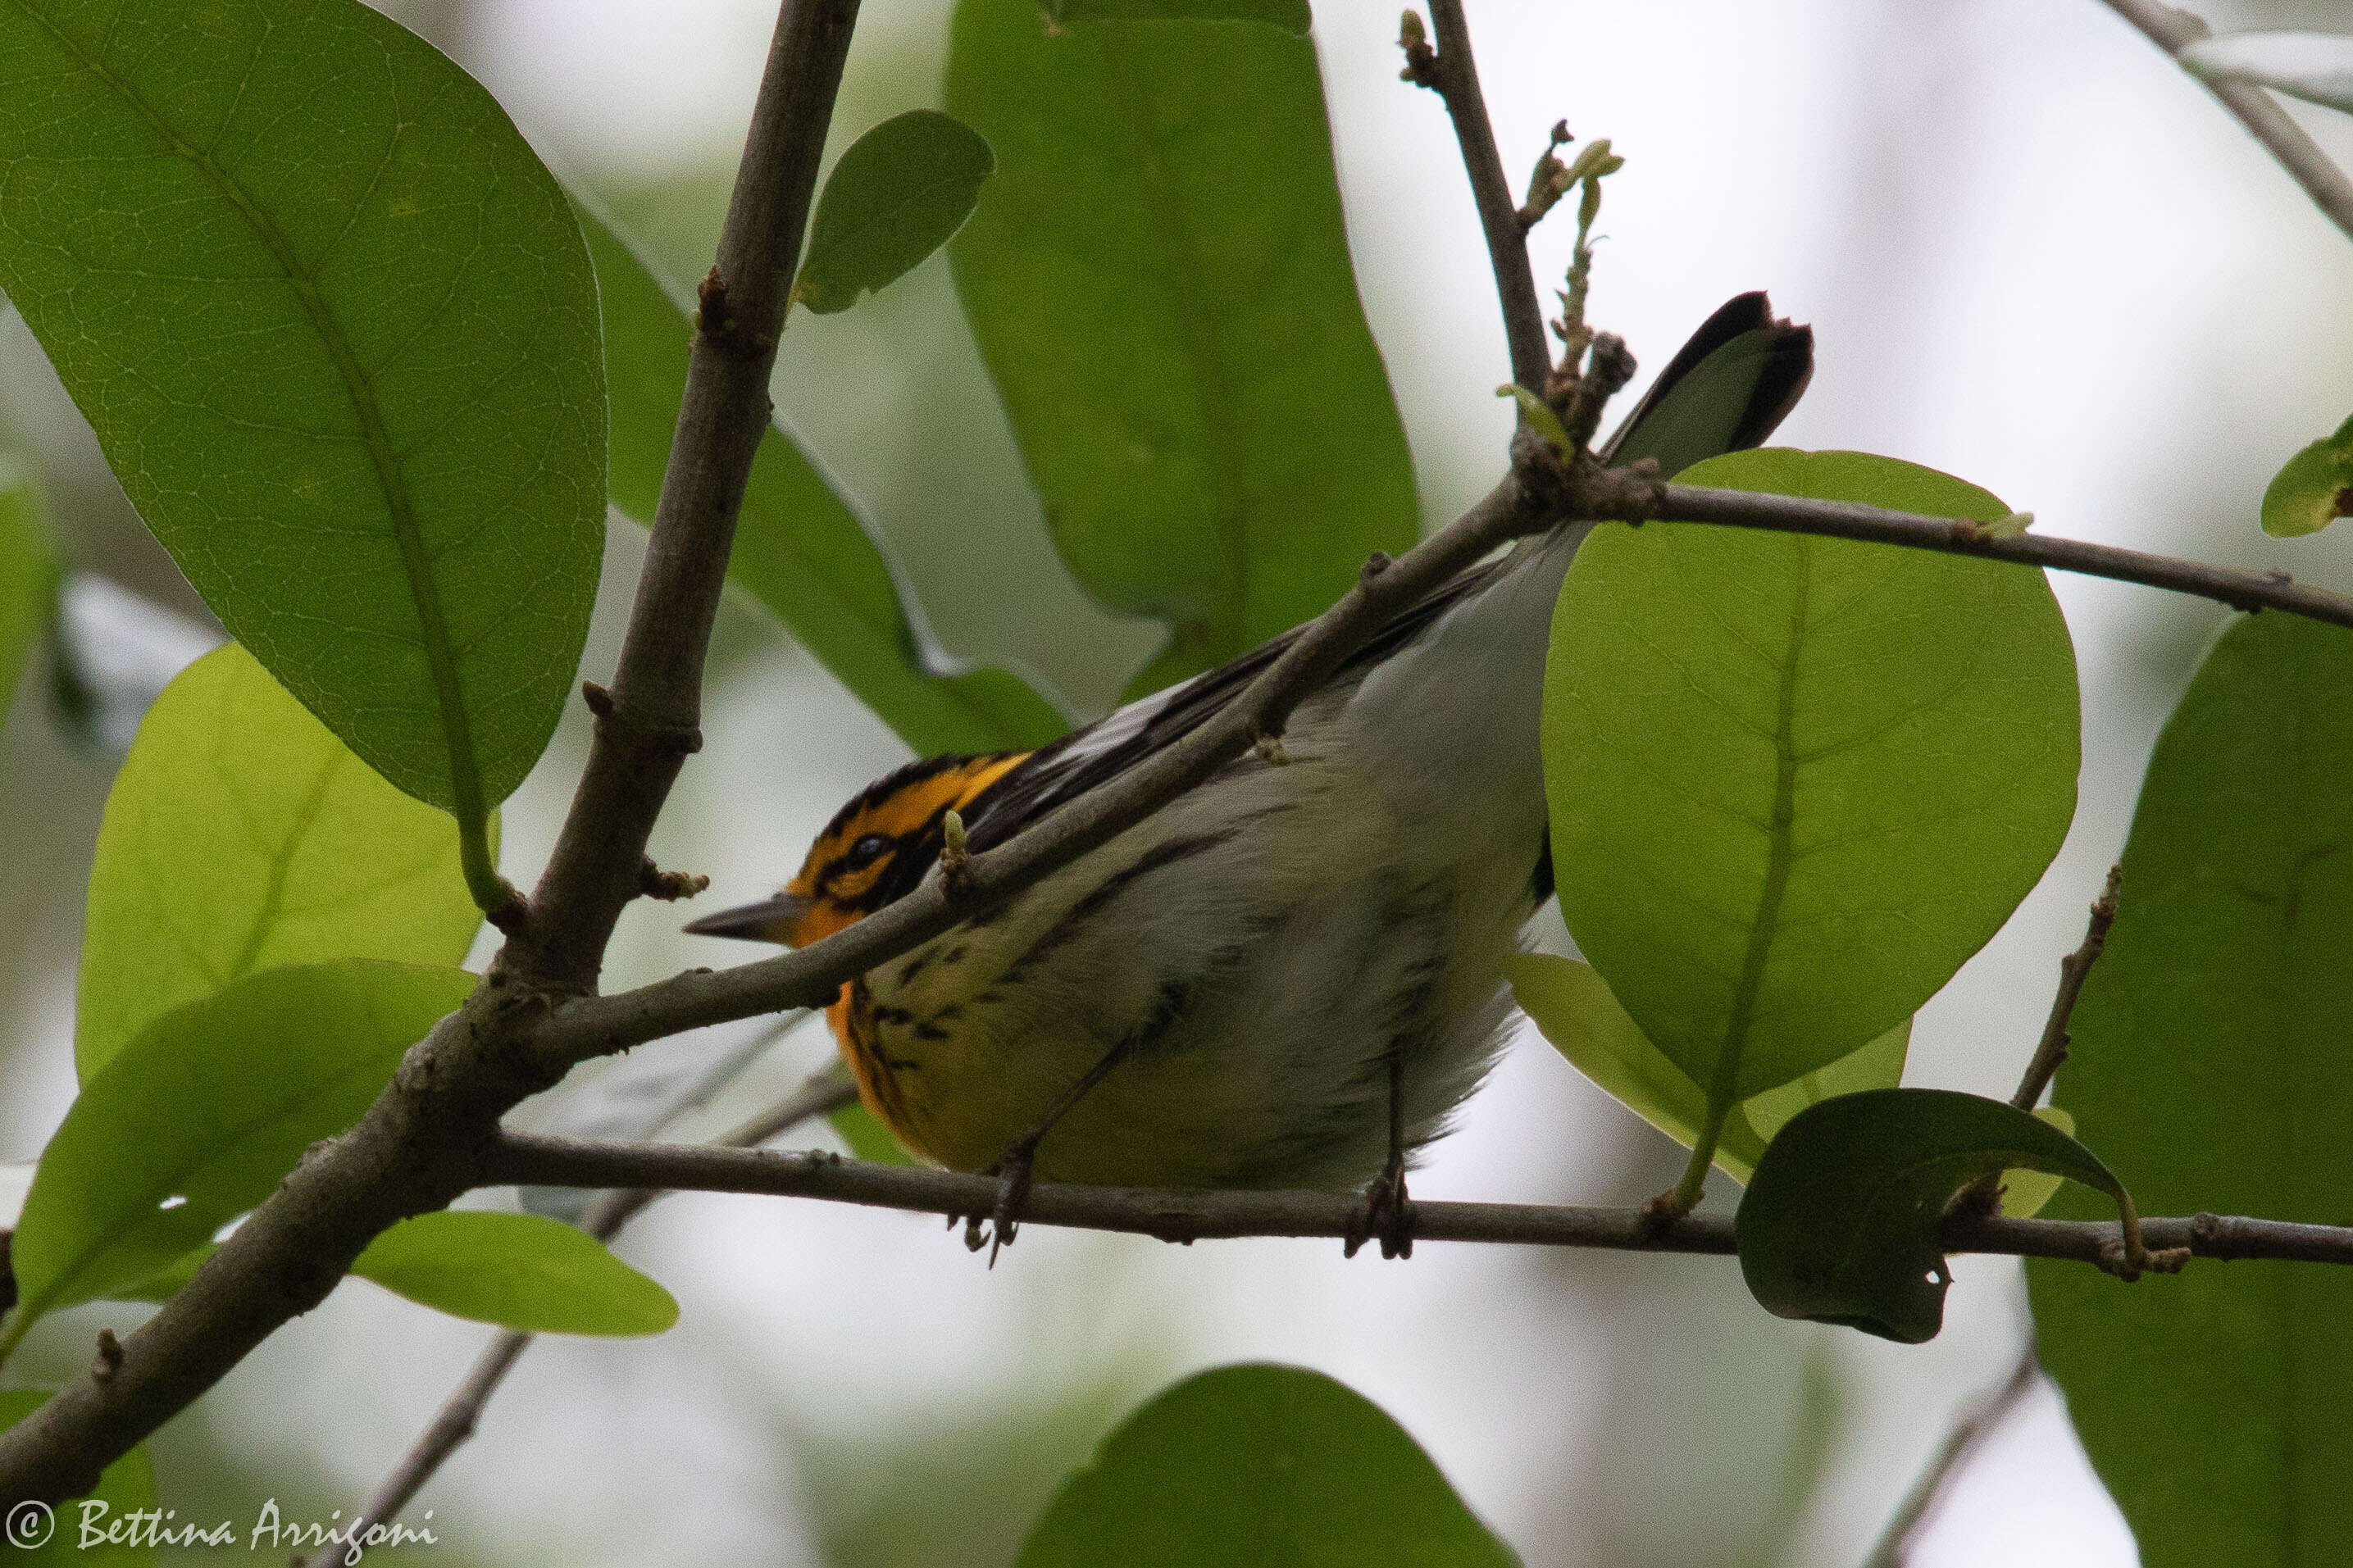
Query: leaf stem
1686	1195
493	894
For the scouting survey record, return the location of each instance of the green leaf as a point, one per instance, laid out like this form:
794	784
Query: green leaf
1574	1008
1160	284
2213	1064
30	571
2025	1193
867	1137
1795	782
519	1270
241	836
1538	415
352	381
124	1486
893	198
1840	1225
1252	1467
1290	16
198	1117
2314	490
800	550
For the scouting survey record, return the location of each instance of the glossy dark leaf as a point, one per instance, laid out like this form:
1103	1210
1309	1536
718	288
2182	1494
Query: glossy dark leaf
1840	1223
894	197
1261	1467
352	381
800	550
1160	283
519	1270
2213	1064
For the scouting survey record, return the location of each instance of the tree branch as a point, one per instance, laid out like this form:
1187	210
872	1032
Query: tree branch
651	720
2074	970
454	1423
2242	590
421	1143
2281	136
1189	1215
1453	74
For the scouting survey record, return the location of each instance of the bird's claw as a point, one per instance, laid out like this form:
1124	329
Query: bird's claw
997	1230
1388	1216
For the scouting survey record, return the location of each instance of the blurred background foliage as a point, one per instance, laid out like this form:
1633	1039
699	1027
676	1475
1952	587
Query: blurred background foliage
2034	256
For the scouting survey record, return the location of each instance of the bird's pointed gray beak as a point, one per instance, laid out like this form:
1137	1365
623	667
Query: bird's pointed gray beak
770	919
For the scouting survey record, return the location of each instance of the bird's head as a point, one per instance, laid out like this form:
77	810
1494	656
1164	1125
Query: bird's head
875	850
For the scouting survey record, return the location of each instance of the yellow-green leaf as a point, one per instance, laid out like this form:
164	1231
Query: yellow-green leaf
521	1271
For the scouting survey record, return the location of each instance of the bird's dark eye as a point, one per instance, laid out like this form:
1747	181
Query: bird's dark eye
865	852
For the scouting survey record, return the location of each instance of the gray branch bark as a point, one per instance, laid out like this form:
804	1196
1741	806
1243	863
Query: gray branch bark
1186	1215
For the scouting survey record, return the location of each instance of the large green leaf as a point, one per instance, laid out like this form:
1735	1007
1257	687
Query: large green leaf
521	1271
336	331
1259	1467
1795	782
1840	1223
198	1118
30	572
1290	16
2213	1065
241	836
1160	283
1583	1021
124	1486
799	549
896	196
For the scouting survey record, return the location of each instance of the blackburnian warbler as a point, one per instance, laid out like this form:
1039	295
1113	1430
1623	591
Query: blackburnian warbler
1292	976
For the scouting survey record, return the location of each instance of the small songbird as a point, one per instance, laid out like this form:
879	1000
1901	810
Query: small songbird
1291	976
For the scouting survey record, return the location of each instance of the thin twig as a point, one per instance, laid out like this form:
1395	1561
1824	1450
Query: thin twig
2242	590
2330	190
2074	968
1984	1197
1453	75
1189	1214
419	1145
1977	1422
454	1423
